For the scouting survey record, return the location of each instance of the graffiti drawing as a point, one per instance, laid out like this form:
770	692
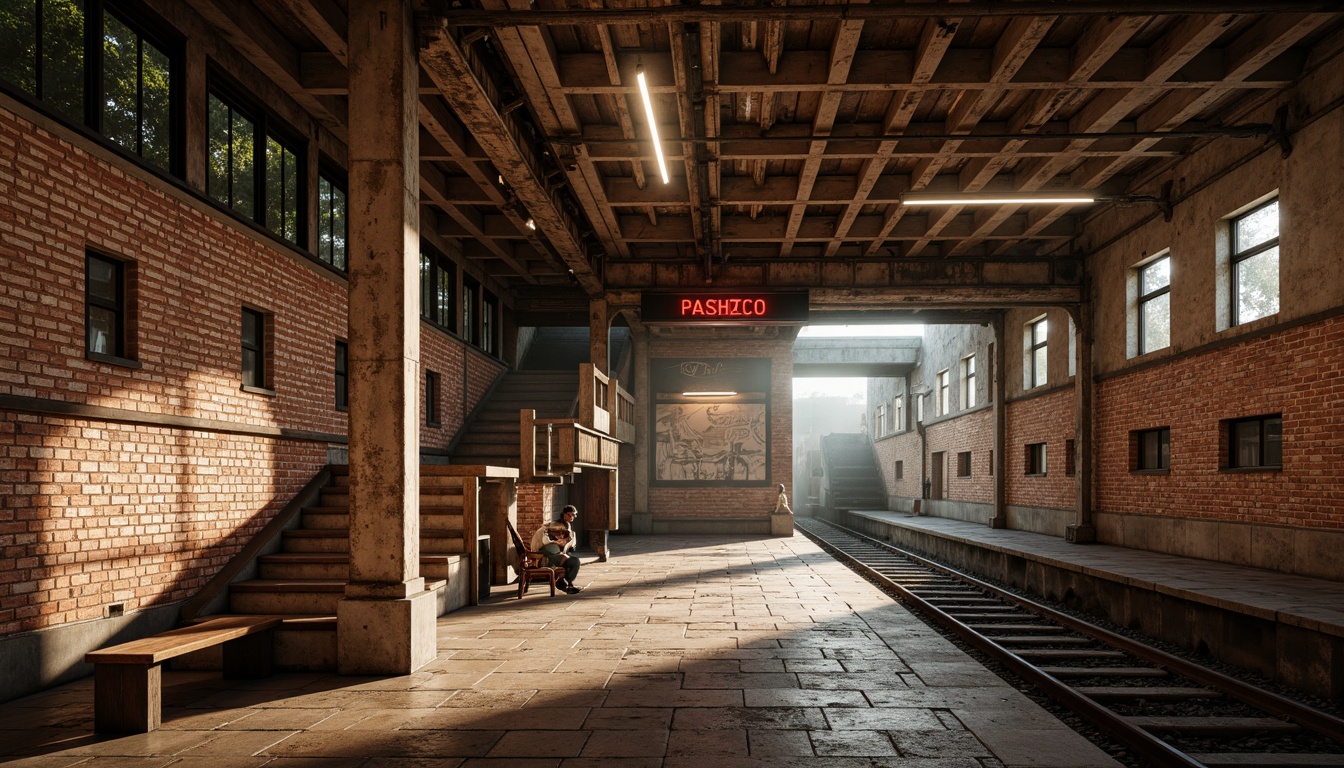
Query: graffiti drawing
707	442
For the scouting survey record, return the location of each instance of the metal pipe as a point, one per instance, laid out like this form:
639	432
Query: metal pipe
973	9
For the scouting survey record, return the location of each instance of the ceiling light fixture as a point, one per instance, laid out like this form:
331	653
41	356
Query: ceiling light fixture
653	122
532	225
725	393
1053	198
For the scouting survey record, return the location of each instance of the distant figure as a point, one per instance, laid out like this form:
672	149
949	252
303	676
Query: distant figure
782	503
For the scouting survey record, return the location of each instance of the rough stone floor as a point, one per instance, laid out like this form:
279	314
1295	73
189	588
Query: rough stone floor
682	651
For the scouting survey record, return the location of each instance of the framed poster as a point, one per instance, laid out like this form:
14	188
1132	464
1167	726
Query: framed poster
711	421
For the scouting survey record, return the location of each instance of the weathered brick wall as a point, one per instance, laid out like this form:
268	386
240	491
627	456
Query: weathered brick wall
904	448
972	432
537	503
719	501
1298	373
1048	419
93	512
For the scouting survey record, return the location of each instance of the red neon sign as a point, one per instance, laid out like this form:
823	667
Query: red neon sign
724	307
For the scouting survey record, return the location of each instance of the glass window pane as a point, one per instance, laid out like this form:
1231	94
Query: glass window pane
338	228
102	331
426	287
250	329
1154	276
1273	442
1257	227
63	57
1164	449
1156	323
1258	286
121	87
275	186
1038	367
1039	332
156	130
218	122
1246	441
444	308
18	36
251	371
324	244
102	277
290	196
242	156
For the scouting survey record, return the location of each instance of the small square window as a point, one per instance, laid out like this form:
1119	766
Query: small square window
1152	449
1256	442
1035	459
964	464
255	364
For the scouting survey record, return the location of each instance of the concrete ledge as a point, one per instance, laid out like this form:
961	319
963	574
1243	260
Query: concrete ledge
712	525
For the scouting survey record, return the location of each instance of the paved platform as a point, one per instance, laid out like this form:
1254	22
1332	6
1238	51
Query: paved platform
683	651
1298	601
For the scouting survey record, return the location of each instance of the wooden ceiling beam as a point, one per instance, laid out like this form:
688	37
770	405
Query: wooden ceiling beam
431	188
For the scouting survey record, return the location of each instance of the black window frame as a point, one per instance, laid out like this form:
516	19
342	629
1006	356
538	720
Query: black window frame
432	392
1235	257
1156	293
260	346
1262	421
341	368
148	27
1161	436
968	377
1035	460
337	180
119	307
265	126
470	310
1038	378
439	265
942	403
1070	457
489	323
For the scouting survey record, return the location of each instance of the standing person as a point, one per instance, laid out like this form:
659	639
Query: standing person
555	540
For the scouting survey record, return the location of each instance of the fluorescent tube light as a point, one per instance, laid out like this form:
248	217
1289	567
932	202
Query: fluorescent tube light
653	123
708	394
1063	198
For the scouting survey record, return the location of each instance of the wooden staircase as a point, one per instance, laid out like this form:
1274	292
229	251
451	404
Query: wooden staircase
492	437
854	481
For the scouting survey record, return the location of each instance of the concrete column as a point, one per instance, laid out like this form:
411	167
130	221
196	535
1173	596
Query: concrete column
1082	531
599	325
999	382
385	623
641	521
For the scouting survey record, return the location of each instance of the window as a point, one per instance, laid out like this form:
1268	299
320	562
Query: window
489	324
1070	458
250	169
105	306
991	462
964	464
436	288
53	46
943	407
880	421
1037	334
332	232
431	399
1255	263
900	469
255	373
1035	459
1073	347
968	381
471	311
1155	305
898	413
342	375
1152	449
919	408
1255	442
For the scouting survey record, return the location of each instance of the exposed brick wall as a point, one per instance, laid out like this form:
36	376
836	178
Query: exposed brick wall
91	512
972	432
1298	373
537	503
719	501
1045	419
904	448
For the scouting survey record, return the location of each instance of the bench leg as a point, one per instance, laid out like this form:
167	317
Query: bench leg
127	698
249	657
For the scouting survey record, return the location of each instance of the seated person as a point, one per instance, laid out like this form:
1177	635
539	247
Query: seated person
555	542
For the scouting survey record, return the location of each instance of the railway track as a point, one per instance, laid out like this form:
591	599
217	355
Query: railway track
1165	709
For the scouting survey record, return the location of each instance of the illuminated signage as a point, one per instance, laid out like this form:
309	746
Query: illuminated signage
725	307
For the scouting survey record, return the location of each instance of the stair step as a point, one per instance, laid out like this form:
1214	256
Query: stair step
286	596
306	566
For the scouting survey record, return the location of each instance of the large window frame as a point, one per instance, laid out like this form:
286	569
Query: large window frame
471	310
1155	275
1240	256
341	368
332	244
898	413
880	421
489	323
270	141
943	404
83	97
1038	352
968	382
1152	450
1255	443
438	276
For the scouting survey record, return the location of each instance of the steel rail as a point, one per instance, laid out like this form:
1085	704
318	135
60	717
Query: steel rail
1314	720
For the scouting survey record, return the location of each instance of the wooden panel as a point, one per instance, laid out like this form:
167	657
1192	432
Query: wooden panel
127	698
160	648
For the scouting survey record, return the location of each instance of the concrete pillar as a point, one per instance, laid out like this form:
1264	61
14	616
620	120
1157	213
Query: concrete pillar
386	622
641	521
1082	531
999	382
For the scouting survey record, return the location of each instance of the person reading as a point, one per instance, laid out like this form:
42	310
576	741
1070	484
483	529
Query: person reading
555	542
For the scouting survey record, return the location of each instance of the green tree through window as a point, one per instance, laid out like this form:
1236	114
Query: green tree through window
43	51
137	80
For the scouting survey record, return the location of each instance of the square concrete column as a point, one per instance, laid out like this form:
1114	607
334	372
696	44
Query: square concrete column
386	622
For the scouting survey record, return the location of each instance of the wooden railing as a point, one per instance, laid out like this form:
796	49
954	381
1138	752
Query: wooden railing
552	448
604	405
623	406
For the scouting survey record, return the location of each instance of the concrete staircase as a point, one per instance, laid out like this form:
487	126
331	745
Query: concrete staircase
306	579
852	476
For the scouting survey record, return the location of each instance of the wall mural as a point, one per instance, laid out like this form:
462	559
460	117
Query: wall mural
698	442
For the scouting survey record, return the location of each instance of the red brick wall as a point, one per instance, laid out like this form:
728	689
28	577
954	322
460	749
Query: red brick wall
1298	373
720	501
1045	419
973	432
536	504
93	513
903	447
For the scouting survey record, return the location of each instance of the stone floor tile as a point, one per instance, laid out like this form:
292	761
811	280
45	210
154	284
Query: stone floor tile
938	743
420	744
798	697
636	698
279	719
773	743
536	743
566	699
606	718
627	743
852	743
779	718
882	719
710	745
813	665
610	762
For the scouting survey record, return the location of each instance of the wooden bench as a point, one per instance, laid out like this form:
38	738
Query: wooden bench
127	678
